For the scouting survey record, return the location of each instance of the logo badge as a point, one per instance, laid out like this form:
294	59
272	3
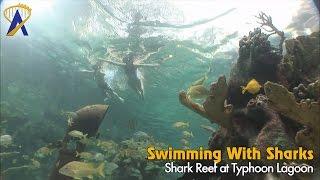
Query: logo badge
17	15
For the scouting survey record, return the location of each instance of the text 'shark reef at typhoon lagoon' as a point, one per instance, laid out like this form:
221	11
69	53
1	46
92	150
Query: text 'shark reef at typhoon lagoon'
159	89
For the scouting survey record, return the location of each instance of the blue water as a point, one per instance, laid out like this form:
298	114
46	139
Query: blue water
49	71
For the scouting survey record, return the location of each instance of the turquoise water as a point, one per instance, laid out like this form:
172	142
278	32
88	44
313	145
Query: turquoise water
50	70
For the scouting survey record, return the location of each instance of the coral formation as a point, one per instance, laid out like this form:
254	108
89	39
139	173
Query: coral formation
283	101
276	117
266	22
258	60
311	92
305	112
214	108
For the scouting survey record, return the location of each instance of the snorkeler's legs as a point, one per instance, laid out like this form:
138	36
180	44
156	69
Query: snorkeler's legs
141	89
138	87
139	84
113	95
135	82
116	95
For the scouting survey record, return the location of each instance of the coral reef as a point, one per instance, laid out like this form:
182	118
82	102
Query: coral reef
131	158
276	116
27	134
125	159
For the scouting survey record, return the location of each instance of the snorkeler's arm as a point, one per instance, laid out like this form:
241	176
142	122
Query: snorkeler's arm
147	65
113	62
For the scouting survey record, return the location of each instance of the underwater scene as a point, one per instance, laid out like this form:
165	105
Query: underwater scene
90	87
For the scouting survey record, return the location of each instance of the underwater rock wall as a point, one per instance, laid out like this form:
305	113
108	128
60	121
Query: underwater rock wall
301	64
